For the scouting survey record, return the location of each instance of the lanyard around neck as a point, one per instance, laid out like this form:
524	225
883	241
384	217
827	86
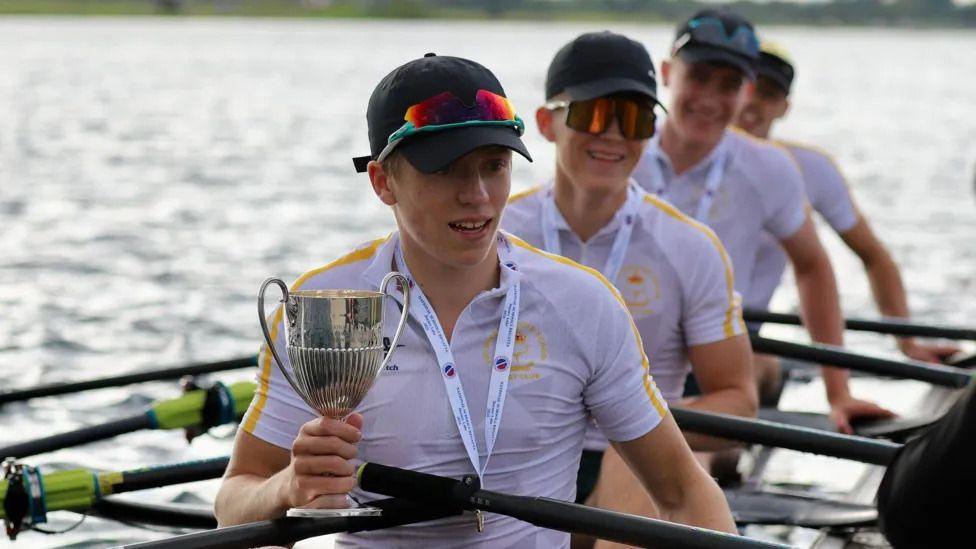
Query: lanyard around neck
451	374
713	181
615	261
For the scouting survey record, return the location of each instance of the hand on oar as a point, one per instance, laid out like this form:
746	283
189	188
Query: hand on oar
926	352
847	409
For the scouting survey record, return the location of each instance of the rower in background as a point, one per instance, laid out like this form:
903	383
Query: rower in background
828	193
739	186
671	271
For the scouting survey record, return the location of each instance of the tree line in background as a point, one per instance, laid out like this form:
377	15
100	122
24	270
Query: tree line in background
834	12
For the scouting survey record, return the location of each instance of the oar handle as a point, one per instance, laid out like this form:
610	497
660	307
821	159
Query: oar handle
54	389
545	512
801	439
946	376
284	531
891	327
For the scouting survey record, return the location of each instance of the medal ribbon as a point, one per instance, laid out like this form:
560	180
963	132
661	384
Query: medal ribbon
712	182
451	375
615	261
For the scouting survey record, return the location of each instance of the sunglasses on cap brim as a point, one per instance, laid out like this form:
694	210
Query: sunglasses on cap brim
445	111
634	114
710	30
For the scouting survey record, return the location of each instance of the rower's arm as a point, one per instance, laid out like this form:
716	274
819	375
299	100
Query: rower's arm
821	314
723	370
819	299
887	287
263	481
681	489
252	482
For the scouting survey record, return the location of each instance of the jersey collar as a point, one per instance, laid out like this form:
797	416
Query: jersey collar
382	263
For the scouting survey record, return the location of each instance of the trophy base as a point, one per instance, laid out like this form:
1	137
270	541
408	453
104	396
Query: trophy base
323	513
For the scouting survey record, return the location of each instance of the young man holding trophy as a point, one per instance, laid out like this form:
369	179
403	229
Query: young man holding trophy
672	271
541	343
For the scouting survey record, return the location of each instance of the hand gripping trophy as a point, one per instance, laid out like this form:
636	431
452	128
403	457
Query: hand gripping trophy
334	340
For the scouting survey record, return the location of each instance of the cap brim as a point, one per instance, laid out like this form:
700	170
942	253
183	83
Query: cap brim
776	77
607	86
435	151
698	53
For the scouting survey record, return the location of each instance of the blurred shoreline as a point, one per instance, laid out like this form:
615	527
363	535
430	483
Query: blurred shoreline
870	13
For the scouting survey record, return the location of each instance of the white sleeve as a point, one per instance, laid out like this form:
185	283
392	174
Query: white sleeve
828	191
276	413
784	199
711	308
620	394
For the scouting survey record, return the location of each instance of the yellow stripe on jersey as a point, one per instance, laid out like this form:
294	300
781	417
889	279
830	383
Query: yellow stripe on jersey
817	150
775	144
264	381
526	193
730	315
649	385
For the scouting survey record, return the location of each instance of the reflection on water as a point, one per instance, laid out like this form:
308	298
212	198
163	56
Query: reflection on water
153	172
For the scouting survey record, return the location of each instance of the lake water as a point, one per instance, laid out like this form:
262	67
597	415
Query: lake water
154	171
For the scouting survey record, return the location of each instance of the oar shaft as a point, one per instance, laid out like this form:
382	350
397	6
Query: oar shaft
188	410
171	516
931	373
164	475
285	531
802	439
861	325
547	513
79	436
127	379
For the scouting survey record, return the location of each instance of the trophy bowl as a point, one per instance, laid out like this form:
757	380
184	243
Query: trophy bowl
334	344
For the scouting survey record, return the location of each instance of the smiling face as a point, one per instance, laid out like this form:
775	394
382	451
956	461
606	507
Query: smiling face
602	161
768	104
449	217
705	99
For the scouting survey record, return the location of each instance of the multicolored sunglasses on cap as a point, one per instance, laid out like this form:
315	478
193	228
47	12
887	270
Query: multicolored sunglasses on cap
445	111
711	30
635	115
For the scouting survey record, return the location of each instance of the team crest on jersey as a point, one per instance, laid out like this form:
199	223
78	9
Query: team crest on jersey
530	350
640	288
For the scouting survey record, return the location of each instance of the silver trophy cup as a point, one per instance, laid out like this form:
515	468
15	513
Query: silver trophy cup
334	340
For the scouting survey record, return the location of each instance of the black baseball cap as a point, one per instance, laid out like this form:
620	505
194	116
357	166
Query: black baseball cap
718	36
775	64
424	79
601	63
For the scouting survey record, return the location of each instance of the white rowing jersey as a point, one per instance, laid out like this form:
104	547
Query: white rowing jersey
828	194
674	276
759	189
577	353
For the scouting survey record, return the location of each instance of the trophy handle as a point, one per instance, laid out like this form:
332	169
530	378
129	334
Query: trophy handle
405	283
267	333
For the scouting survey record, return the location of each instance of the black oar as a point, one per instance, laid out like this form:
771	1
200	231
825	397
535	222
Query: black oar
127	379
877	326
284	531
27	494
946	376
802	439
171	516
897	429
546	512
752	507
202	407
